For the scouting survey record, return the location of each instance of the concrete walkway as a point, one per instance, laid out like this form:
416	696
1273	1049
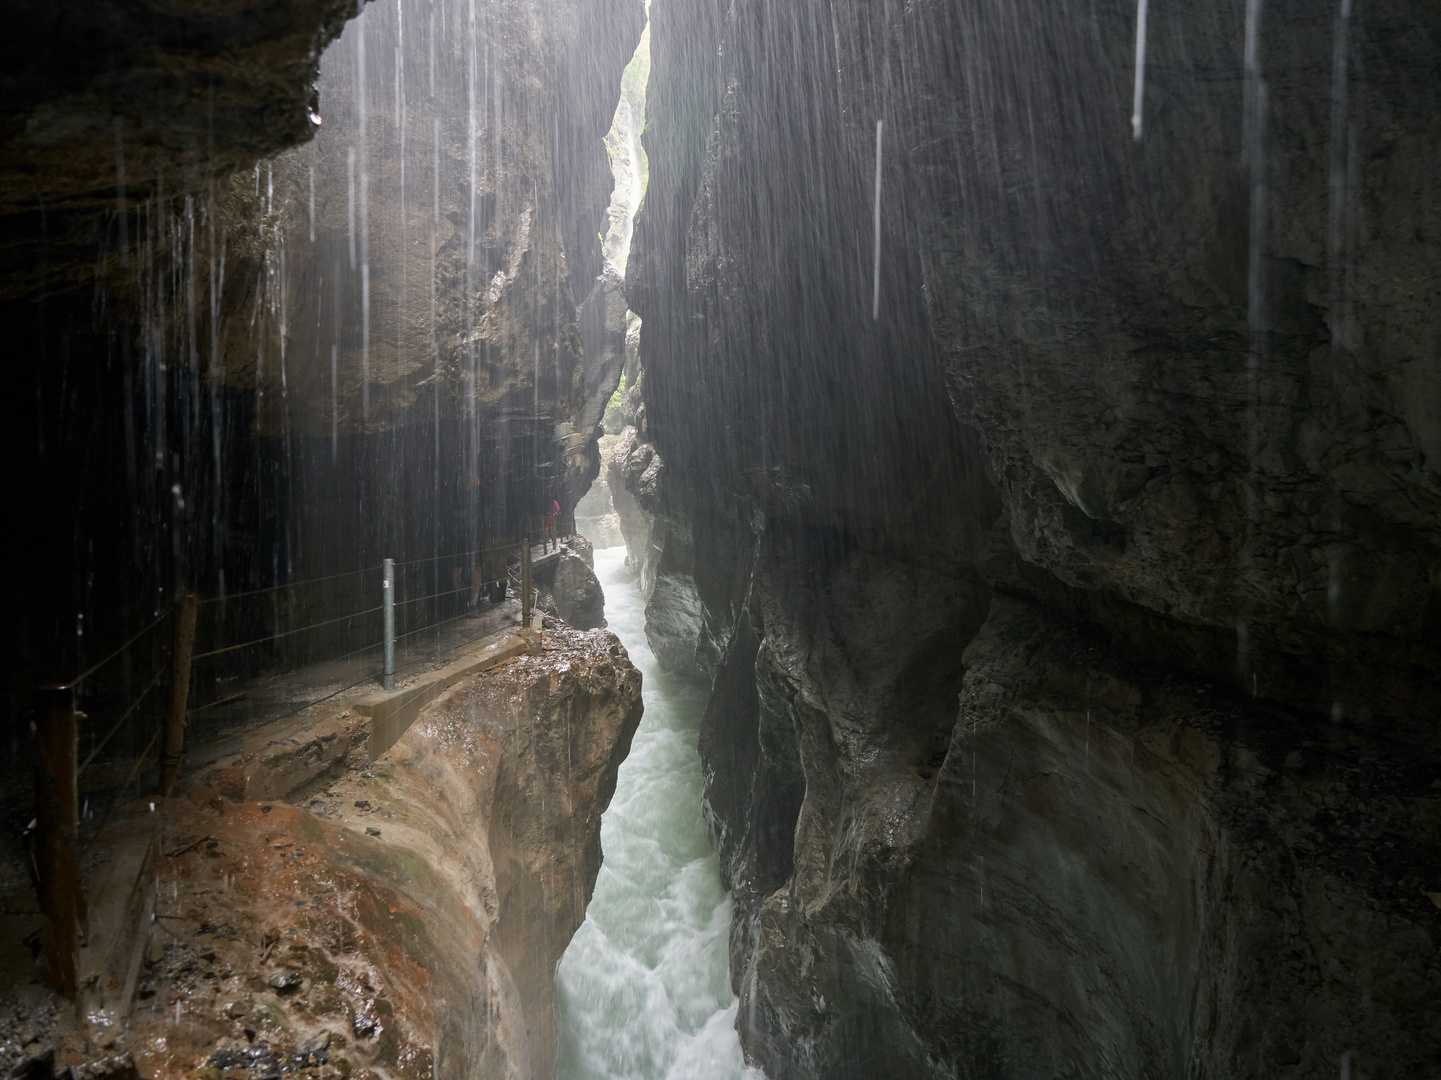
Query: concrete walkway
304	723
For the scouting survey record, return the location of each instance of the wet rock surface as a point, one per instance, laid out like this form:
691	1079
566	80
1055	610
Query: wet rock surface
1227	863
1024	548
571	590
409	931
327	264
111	103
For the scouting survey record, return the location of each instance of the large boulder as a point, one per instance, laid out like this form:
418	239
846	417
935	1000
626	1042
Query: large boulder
571	591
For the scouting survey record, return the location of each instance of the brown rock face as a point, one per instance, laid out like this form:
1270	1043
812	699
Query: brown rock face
532	750
407	924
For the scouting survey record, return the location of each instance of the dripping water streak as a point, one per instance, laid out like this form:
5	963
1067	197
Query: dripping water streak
364	224
876	267
1140	69
120	207
350	201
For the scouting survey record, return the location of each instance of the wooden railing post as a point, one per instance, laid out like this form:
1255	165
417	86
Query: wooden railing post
184	645
57	823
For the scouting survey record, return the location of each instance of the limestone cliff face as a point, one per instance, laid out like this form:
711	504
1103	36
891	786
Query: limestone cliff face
1033	564
533	752
1098	870
259	358
433	230
109	105
1204	364
414	907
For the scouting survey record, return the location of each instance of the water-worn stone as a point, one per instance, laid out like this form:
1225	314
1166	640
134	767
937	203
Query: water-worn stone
430	944
285	982
1081	808
571	590
1088	436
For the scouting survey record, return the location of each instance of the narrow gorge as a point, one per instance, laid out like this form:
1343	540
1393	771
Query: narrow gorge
1013	429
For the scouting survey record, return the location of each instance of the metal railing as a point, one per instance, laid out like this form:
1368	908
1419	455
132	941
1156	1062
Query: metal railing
396	617
59	813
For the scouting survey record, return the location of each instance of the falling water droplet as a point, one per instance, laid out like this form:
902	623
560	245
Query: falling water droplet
1140	69
876	267
350	200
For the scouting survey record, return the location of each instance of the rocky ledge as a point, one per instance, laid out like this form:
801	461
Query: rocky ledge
406	923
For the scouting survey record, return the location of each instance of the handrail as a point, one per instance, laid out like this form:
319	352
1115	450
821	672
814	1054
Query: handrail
96	667
288	585
284	633
126	716
530	527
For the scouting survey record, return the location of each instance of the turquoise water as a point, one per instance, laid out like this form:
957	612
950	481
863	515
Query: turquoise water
643	992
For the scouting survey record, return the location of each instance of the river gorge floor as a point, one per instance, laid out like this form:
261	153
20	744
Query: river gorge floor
643	993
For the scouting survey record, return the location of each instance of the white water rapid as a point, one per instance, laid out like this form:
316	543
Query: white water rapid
643	993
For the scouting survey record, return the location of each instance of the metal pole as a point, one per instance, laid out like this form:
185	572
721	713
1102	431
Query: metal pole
525	580
387	607
184	645
57	825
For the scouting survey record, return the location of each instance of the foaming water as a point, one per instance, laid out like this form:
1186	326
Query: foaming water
643	992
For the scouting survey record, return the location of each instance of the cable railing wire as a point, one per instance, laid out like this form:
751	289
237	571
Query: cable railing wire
288	585
296	630
328	622
124	717
131	775
284	633
432	626
130	711
375	674
457	555
432	596
93	668
349	573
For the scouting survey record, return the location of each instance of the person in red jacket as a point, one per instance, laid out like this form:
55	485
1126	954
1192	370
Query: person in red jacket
547	528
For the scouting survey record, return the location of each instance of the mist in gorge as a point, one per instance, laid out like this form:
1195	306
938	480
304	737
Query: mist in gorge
667	540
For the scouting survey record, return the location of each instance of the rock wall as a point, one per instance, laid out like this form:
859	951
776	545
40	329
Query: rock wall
569	588
595	515
1016	511
107	106
399	919
297	305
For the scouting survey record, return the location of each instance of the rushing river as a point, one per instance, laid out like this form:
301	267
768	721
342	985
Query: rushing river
643	992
